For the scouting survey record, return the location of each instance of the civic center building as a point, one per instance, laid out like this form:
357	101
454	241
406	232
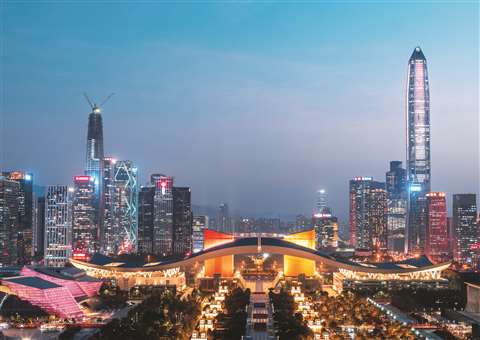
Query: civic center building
269	259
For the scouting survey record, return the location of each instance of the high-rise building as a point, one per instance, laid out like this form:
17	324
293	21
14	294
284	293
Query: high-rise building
125	207
224	222
107	232
418	149
85	230
58	225
368	214
326	230
163	216
321	202
146	219
94	161
182	221
465	227
39	232
9	220
436	238
396	185
199	224
25	215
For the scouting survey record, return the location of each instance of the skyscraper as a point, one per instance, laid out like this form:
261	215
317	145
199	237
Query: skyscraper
182	221
418	148
465	226
84	231
94	160
199	224
125	207
40	226
321	202
107	232
396	185
326	230
146	219
25	215
368	214
58	225
436	238
163	216
224	222
9	224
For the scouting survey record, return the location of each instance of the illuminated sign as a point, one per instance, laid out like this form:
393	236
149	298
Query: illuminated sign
436	194
322	215
361	178
415	187
82	178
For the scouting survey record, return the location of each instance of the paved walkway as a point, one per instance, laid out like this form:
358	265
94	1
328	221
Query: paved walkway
259	312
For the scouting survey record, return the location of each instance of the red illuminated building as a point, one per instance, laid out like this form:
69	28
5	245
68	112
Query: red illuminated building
436	241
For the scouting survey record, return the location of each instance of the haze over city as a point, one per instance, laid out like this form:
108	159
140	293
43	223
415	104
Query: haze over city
258	105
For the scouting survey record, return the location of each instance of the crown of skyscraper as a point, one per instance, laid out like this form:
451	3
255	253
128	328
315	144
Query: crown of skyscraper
418	54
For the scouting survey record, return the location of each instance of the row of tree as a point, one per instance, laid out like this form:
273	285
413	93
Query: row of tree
231	325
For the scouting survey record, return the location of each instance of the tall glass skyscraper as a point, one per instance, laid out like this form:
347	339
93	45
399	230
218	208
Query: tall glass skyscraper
94	159
418	148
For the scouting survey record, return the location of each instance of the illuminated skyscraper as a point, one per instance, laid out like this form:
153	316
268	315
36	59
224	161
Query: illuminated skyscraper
9	199
436	238
465	227
163	216
395	182
321	202
182	221
418	148
145	219
84	231
224	222
107	233
58	225
25	215
199	224
326	230
368	214
125	207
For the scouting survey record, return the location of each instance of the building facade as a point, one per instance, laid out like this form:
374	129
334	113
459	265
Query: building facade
9	221
146	219
465	227
418	149
200	223
326	230
125	207
25	214
58	225
396	186
182	221
368	214
224	222
85	230
163	216
107	233
436	238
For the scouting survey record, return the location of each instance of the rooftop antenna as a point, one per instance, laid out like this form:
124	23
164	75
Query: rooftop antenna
96	108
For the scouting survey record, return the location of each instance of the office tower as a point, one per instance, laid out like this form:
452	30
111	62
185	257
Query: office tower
58	225
368	214
224	222
94	160
145	219
436	238
326	230
199	224
9	220
465	226
25	215
182	221
107	233
163	216
125	207
418	149
321	202
85	230
39	231
396	186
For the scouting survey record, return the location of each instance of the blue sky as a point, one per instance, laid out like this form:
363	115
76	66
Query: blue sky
256	104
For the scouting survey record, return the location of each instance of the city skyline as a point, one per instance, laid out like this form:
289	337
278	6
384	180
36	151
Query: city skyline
257	124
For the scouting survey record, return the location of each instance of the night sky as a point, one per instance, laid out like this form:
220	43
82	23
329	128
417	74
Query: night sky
255	104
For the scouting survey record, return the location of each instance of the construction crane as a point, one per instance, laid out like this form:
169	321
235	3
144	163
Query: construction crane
97	108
